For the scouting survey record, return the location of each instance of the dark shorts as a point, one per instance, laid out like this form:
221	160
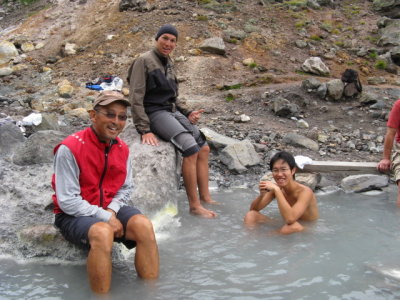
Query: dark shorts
76	229
174	127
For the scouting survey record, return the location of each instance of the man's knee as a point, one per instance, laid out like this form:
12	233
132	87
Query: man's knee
251	217
141	227
101	235
205	150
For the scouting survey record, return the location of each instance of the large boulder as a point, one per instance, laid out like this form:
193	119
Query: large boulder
38	148
213	45
156	172
216	140
237	157
390	34
364	182
11	138
315	65
138	5
298	140
335	89
389	8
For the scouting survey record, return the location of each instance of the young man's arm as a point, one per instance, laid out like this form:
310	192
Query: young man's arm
263	199
292	213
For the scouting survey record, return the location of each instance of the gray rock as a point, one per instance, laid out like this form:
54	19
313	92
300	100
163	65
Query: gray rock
230	34
368	98
390	8
322	90
213	45
11	138
45	240
314	65
156	172
137	5
298	140
311	84
38	148
49	122
390	35
301	44
5	71
217	141
395	55
7	52
240	155
364	182
335	89
376	80
284	108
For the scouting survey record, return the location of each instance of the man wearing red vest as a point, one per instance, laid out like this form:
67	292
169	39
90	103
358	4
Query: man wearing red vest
92	181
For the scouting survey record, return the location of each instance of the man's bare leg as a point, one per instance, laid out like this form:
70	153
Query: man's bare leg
99	265
202	175
189	173
140	229
292	228
253	217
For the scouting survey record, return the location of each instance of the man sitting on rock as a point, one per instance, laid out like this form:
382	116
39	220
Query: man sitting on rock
295	201
92	181
156	109
391	161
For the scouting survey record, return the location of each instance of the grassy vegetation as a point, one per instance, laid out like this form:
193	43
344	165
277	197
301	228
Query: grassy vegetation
202	18
373	55
315	37
381	64
252	65
232	87
230	97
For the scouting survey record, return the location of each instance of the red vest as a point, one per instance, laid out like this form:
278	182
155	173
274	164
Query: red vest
103	168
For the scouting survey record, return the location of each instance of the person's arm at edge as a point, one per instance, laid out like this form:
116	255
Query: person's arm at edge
68	188
384	164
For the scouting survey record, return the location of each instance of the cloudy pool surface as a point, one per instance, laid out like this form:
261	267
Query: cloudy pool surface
352	252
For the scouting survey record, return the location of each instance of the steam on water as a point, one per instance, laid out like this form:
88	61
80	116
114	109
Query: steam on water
350	253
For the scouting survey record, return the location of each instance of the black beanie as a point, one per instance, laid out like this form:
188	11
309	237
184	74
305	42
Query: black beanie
167	28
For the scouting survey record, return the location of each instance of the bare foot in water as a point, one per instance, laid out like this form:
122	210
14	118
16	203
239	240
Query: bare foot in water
209	201
202	212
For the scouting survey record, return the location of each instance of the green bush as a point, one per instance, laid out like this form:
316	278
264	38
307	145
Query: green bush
381	64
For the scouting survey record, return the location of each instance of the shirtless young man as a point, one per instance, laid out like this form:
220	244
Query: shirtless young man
295	201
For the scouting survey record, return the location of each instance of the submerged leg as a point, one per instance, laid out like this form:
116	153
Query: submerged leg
398	193
99	264
140	230
189	173
202	175
253	217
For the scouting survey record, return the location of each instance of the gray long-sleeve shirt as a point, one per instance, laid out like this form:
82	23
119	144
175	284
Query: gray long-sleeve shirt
68	190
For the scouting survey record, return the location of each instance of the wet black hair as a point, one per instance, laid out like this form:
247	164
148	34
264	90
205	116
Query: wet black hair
285	156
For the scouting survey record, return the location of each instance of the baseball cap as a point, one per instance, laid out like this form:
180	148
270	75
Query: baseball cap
108	97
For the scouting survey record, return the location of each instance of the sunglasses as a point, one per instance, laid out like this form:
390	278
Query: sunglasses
111	115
